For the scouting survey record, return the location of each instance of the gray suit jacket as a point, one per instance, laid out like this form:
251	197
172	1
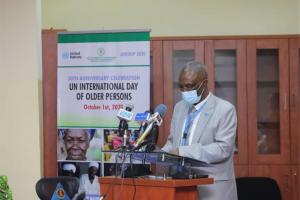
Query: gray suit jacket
214	138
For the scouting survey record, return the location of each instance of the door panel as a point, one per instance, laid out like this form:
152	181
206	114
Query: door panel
175	55
268	105
241	170
157	93
226	62
294	47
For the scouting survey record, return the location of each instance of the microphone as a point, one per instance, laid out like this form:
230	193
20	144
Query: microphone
152	139
142	118
124	116
154	121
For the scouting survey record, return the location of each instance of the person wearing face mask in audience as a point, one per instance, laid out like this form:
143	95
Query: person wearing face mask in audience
203	127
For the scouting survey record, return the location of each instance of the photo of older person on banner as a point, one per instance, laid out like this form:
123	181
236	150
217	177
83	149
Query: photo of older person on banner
78	144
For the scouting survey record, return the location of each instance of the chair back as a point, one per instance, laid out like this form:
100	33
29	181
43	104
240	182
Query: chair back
46	187
258	188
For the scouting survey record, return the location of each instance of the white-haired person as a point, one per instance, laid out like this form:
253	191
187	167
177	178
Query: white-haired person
77	142
89	183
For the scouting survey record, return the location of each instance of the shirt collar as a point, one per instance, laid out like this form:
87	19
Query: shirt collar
200	104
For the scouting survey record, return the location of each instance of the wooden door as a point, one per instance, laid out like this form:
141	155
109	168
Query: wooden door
295	182
294	51
175	55
268	101
226	62
156	90
241	170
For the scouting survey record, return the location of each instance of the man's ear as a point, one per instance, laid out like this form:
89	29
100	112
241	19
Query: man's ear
205	83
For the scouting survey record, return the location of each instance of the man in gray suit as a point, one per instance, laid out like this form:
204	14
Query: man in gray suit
203	127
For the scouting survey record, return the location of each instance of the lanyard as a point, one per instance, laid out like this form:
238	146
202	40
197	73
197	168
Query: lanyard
189	121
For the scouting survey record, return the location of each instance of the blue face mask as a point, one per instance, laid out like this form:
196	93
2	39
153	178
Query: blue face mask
191	97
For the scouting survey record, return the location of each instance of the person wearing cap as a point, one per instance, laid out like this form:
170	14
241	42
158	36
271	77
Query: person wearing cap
69	169
89	183
77	142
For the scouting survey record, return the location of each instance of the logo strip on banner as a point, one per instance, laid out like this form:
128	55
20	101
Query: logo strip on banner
104	54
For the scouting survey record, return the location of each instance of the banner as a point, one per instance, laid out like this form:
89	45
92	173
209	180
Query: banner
98	74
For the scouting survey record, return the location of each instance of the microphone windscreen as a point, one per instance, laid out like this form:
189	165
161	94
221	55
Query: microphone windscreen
161	109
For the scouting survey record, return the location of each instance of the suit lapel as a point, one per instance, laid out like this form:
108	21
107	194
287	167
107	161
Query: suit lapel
204	118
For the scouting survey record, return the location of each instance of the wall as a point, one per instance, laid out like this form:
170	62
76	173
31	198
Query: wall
176	17
19	82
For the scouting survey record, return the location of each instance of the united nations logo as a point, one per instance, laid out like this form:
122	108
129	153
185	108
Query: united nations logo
60	193
65	55
100	51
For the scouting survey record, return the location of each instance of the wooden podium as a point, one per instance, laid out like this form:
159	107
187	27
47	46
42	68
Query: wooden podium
147	189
